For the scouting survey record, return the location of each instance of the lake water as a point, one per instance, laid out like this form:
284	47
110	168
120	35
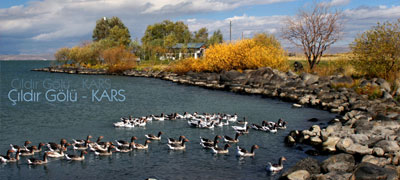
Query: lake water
45	120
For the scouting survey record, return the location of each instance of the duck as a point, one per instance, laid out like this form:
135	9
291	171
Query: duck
245	131
243	121
181	146
99	147
159	118
55	154
54	146
81	141
244	153
33	161
240	128
208	144
174	141
7	158
81	147
143	146
25	147
275	167
154	137
232	118
125	143
232	140
107	152
30	152
225	150
39	149
281	124
99	142
125	149
71	157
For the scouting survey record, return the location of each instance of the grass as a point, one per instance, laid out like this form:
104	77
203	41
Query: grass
156	65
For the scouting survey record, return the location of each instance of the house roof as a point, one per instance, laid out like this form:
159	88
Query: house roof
189	45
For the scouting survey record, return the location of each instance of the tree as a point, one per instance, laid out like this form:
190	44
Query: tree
265	39
62	55
377	51
112	28
216	38
201	36
161	36
314	31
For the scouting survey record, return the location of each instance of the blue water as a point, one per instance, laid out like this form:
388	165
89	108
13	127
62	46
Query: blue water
45	121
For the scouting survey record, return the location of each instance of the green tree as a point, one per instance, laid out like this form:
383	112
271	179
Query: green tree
377	51
112	28
216	38
161	36
201	36
62	55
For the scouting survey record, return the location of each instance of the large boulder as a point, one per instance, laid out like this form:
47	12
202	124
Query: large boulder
340	162
379	161
230	75
388	146
358	149
368	171
309	164
299	175
344	143
309	78
383	84
333	176
330	144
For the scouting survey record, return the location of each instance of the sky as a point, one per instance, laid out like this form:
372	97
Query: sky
43	26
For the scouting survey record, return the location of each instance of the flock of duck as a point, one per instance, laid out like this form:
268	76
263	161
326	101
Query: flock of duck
106	148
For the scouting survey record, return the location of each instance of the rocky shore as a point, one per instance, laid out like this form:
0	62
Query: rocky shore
363	139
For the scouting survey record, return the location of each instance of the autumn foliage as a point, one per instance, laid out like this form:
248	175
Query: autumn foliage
118	59
243	54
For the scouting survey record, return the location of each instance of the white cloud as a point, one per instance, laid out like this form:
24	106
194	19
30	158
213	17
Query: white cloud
339	2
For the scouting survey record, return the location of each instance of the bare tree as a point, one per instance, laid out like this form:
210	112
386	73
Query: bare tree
314	30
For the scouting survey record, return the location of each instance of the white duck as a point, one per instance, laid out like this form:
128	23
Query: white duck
240	128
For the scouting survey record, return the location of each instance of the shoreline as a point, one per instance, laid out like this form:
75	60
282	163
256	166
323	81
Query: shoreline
364	135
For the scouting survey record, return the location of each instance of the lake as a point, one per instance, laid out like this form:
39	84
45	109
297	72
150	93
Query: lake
78	105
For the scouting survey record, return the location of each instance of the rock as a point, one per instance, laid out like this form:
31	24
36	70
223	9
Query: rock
309	164
230	75
378	151
330	144
340	162
315	130
358	149
344	143
388	146
368	171
359	138
333	176
376	160
334	128
299	175
315	140
309	78
298	66
383	84
386	95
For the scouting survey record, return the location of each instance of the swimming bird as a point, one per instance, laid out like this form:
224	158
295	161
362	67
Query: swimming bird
71	157
82	147
232	140
154	137
125	149
125	143
240	128
275	167
25	147
33	161
208	144
107	152
39	148
55	154
143	146
81	141
174	141
225	150
7	158
244	153
30	152
181	146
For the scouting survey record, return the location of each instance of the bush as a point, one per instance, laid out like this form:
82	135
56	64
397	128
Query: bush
376	51
372	91
244	54
118	59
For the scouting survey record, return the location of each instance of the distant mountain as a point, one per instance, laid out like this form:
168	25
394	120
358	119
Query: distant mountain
27	57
